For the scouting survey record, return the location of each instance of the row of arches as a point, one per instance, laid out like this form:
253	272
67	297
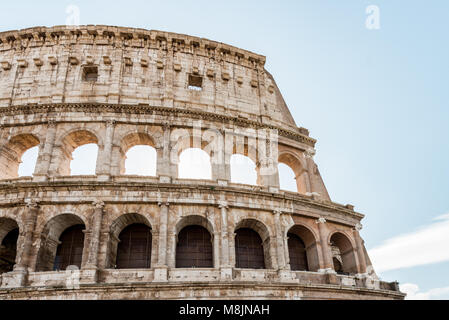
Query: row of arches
131	243
77	154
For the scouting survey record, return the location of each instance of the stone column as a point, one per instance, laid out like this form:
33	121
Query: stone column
161	268
104	165
327	266
164	165
224	236
360	254
268	160
279	240
225	263
43	166
27	234
91	265
216	249
327	263
18	277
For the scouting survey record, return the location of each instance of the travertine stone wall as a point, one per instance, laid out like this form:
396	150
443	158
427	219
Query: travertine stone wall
49	98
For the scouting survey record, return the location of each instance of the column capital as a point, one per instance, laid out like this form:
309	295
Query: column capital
310	153
51	122
110	123
223	205
31	204
278	211
321	220
358	227
98	204
162	203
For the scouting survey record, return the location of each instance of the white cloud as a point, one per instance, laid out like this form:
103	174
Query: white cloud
412	291
426	245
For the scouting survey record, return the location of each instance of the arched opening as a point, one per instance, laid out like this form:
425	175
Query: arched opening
78	154
130	244
84	160
287	178
61	244
20	152
134	248
249	250
194	163
243	170
302	249
9	233
138	155
292	173
297	252
70	248
141	161
343	254
194	248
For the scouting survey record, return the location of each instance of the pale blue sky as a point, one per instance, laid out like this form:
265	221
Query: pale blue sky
376	100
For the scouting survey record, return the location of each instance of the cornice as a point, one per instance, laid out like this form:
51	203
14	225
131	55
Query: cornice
94	185
128	37
147	109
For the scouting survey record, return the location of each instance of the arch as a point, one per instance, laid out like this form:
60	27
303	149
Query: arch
11	154
309	250
134	248
287	178
70	248
299	169
343	252
194	220
69	143
243	170
137	139
194	163
196	242
51	239
117	227
194	248
9	233
252	245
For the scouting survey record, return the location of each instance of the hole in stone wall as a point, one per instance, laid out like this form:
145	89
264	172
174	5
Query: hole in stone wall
90	74
195	82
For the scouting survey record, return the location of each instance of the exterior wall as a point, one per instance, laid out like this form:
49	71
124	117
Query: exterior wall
141	97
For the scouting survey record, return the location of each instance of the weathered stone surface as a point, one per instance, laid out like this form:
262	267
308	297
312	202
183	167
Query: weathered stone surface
63	87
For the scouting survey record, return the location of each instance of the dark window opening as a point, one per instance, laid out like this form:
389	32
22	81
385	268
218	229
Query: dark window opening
195	82
194	248
90	74
8	250
70	249
134	249
297	253
249	252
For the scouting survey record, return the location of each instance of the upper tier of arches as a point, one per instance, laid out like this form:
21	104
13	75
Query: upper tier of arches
224	157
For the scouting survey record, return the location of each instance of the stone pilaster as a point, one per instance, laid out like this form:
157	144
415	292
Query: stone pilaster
279	240
104	165
94	241
327	264
18	277
161	268
166	171
360	254
41	172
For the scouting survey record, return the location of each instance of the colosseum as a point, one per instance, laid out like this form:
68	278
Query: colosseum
113	235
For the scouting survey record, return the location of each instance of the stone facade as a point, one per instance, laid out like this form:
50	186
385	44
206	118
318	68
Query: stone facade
64	87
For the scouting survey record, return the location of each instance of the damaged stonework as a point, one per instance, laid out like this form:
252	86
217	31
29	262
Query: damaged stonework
117	236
